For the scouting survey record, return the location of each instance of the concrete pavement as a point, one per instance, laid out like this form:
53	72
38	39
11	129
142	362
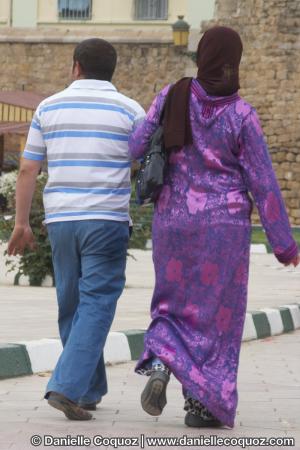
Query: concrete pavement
29	313
269	377
269	403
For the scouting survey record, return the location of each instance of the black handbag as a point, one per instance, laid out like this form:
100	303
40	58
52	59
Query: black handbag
150	176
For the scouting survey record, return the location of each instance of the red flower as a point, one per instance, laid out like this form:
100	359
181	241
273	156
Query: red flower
223	318
241	275
174	270
210	274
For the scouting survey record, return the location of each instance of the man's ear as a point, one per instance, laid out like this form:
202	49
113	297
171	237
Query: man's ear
77	71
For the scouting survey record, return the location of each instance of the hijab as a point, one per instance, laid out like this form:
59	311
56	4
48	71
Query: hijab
218	58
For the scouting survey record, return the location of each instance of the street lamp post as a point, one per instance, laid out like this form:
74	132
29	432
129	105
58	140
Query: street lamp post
181	32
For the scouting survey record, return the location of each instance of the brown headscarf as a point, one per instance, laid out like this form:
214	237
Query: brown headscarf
218	58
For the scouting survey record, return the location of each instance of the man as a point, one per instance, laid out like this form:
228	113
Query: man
83	133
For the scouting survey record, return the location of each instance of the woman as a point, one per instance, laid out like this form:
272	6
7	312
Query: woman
202	232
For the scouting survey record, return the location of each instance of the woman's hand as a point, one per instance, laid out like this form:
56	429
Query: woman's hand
295	261
21	238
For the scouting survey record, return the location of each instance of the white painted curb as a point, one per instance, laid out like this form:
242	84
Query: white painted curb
275	320
44	353
258	249
249	332
116	348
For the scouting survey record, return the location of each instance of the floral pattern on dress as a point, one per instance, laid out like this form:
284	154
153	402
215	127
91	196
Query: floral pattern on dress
201	244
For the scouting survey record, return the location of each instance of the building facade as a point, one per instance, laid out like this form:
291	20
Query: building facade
37	33
105	13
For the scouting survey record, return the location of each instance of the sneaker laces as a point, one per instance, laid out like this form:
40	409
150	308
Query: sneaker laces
160	367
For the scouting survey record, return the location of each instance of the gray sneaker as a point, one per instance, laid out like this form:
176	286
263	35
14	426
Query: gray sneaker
153	398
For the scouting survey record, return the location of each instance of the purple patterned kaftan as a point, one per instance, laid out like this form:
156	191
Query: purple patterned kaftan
201	242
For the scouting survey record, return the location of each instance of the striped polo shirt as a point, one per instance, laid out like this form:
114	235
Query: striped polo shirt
83	133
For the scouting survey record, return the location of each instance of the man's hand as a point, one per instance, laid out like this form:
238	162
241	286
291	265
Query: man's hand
21	238
295	261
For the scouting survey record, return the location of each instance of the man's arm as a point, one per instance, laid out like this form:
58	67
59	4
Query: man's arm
22	235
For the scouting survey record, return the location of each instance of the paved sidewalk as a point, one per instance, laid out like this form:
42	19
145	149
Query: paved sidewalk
269	405
29	313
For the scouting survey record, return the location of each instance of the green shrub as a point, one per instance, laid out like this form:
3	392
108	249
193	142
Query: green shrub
34	264
37	264
142	222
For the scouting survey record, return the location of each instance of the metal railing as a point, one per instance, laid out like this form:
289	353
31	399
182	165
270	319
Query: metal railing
75	9
151	9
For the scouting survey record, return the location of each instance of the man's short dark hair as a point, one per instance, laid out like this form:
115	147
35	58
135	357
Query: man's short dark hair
97	59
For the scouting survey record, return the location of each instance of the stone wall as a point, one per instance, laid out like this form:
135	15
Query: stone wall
270	72
270	80
143	68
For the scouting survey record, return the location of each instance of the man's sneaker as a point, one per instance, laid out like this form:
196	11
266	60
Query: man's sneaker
153	398
70	409
198	416
89	406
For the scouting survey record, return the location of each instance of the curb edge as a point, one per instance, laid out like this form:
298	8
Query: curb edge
29	357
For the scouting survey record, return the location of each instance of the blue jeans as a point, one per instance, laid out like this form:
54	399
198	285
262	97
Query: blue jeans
89	259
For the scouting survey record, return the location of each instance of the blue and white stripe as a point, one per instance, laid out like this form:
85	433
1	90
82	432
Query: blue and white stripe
83	133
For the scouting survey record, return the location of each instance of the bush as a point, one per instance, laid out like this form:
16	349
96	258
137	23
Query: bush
34	264
37	264
142	222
